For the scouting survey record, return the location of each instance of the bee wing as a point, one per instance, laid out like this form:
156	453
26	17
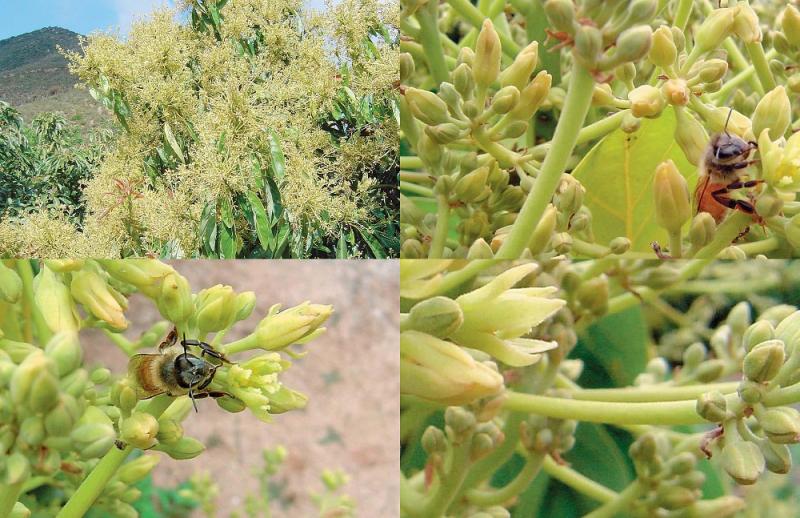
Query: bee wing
699	191
144	368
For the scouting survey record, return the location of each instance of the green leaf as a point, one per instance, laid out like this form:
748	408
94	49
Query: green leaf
173	142
341	247
273	197
226	211
263	228
227	243
618	176
278	163
374	245
616	343
531	500
598	456
208	229
282	240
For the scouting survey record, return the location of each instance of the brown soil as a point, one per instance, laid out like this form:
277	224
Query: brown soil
351	376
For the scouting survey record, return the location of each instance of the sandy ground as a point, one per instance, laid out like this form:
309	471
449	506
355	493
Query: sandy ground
351	376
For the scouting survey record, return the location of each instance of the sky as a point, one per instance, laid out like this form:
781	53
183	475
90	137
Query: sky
81	16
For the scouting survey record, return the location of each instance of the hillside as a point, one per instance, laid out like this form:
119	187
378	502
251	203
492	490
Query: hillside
34	77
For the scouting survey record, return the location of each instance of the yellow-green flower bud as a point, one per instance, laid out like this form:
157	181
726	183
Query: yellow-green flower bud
712	406
768	205
443	372
682	463
543	232
459	422
486	66
31	431
790	22
561	15
20	511
406	67
630	123
296	325
444	133
676	92
139	430
792	230
663	52
437	316
429	151
10	284
743	461
750	392
722	507
145	274
34	383
646	101
781	425
691	136
592	295
518	74
773	112
215	308
463	81
676	497
562	242
532	97
764	361
758	332
709	371
505	100
480	249
602	95
245	304
175	301
588	45
125	394
702	230
427	107
94	435
745	23
625	72
514	129
75	383
54	301
185	448
619	245
633	44
778	457
672	204
94	293
230	404
60	420
472	185
17	468
715	28
482	445
65	351
412	249
433	441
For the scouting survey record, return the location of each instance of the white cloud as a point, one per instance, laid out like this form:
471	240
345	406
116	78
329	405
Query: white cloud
129	11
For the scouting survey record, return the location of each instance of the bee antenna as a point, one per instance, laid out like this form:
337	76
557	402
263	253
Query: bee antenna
727	120
185	350
194	404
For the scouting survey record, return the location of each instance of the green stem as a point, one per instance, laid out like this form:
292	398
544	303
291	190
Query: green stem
411	162
620	503
442	225
729	230
445	493
472	15
9	493
410	499
761	65
675	244
683	13
416	189
578	482
490	497
483	469
576	106
652	394
428	17
43	332
93	485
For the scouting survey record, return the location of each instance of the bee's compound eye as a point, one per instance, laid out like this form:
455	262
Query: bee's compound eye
727	151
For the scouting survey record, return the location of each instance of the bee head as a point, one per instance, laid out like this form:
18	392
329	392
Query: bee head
727	148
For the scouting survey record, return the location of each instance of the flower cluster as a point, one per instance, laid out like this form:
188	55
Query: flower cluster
61	419
486	174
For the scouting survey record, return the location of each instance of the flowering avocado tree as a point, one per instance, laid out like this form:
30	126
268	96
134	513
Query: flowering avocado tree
599	388
581	126
65	425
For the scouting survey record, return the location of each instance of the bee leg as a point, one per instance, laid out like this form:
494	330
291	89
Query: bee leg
213	393
206	348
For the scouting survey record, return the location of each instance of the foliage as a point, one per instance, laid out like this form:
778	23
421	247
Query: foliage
599	388
44	166
249	130
485	173
67	428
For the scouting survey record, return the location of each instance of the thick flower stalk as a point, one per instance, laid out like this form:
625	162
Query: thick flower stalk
66	425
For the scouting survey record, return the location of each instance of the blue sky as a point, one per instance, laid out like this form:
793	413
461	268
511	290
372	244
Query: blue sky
82	16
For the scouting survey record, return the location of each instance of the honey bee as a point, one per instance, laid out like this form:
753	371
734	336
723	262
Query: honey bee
176	372
725	156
